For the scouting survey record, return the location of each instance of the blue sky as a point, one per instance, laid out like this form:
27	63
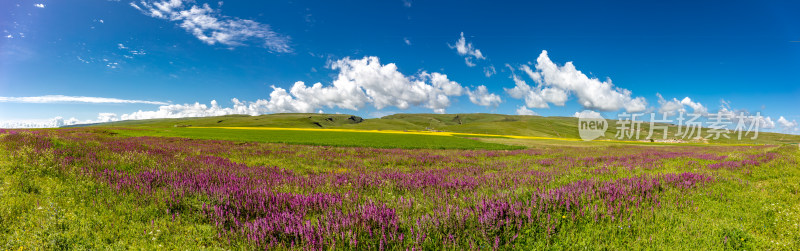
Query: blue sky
103	60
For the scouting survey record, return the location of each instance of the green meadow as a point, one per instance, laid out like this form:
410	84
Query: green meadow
166	185
480	123
351	139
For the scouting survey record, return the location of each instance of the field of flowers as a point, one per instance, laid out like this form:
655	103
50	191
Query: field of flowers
91	188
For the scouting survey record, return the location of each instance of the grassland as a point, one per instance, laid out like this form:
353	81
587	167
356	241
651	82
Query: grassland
43	209
90	188
475	123
324	137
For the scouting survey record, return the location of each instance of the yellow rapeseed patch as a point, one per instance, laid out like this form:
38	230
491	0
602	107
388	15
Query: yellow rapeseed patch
390	131
433	133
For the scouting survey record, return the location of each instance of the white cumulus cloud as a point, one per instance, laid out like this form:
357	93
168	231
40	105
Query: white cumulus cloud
591	92
106	117
360	82
696	106
38	5
741	117
522	110
788	126
211	27
588	114
481	96
384	86
766	122
556	83
672	107
188	110
533	97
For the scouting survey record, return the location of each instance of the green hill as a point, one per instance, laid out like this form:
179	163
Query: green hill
559	127
483	123
294	120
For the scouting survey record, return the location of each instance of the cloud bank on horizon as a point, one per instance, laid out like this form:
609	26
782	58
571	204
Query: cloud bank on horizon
367	82
359	83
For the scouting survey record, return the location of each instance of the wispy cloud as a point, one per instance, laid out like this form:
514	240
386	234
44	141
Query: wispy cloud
75	99
211	27
131	51
468	50
488	71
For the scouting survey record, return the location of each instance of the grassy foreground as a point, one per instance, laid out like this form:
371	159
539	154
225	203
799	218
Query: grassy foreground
90	189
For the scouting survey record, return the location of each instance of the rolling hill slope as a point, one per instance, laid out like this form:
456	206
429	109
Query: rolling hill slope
294	120
481	123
